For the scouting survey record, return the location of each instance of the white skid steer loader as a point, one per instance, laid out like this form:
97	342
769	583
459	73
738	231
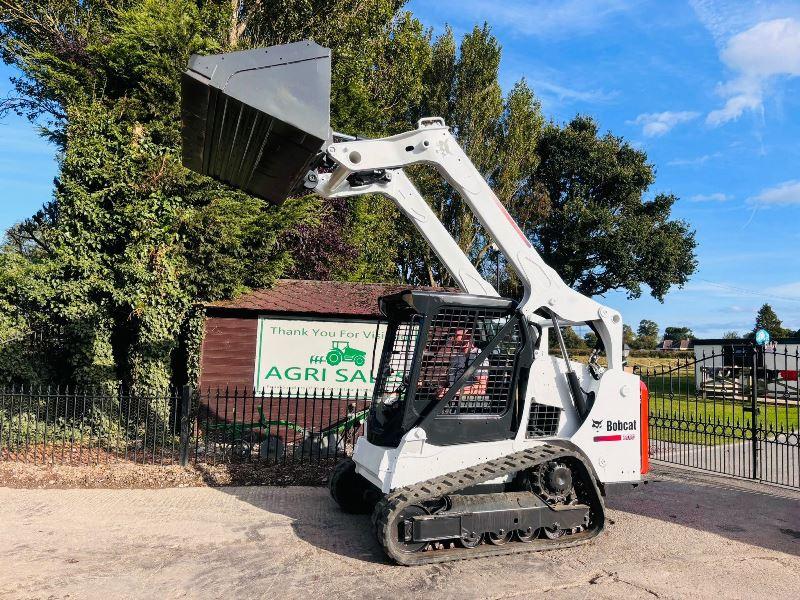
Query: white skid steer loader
478	441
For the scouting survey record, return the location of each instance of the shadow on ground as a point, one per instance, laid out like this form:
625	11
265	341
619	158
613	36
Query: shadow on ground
750	513
317	519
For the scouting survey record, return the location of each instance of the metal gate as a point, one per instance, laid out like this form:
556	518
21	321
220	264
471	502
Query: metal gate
734	411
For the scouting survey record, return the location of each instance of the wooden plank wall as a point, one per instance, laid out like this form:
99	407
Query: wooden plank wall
229	353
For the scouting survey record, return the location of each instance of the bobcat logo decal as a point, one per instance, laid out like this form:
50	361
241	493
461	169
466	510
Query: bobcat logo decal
597	424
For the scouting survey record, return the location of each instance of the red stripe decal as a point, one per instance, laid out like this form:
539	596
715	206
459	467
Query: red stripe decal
511	220
608	438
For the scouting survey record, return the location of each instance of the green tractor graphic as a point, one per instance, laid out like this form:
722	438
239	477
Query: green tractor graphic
342	352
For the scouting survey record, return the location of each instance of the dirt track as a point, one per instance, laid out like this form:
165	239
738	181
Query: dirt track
681	538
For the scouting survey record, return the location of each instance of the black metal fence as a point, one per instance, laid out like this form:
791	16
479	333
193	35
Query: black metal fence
69	426
66	426
733	410
277	427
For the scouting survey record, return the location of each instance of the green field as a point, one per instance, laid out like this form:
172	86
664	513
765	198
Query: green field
711	420
690	418
642	362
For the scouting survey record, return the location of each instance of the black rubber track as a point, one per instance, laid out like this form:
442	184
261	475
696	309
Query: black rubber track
389	507
350	490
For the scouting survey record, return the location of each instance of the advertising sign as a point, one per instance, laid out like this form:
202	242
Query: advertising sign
308	354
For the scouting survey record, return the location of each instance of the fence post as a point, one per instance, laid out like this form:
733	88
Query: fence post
186	395
754	413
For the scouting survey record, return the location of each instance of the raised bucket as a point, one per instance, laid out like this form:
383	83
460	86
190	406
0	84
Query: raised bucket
256	119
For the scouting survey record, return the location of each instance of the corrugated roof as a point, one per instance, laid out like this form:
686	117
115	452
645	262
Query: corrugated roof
317	298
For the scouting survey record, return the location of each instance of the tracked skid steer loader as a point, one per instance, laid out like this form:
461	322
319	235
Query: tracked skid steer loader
478	441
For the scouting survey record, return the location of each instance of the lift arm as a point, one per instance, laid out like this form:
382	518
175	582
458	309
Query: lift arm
432	143
396	186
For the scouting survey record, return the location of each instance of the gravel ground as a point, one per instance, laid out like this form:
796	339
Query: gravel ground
684	536
126	475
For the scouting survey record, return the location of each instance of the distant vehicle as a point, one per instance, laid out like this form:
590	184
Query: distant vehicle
343	352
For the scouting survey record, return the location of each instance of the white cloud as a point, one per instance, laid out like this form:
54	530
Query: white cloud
759	55
655	124
715	197
783	194
769	48
786	290
541	18
693	162
563	93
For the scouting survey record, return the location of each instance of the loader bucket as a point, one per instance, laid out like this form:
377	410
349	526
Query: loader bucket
256	119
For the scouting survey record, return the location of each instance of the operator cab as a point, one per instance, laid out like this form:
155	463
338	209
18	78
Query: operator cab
454	364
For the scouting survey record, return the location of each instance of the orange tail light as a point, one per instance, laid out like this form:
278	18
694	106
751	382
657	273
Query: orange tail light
644	419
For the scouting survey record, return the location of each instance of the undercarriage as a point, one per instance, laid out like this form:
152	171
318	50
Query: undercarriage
551	501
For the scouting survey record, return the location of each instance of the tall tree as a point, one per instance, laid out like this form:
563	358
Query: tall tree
676	334
131	239
590	339
571	340
647	328
646	335
592	222
370	230
628	336
499	135
767	319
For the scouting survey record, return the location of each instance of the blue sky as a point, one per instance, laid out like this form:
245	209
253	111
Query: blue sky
27	165
711	90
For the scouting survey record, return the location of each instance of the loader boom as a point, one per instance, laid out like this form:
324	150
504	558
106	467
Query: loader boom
396	186
432	143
